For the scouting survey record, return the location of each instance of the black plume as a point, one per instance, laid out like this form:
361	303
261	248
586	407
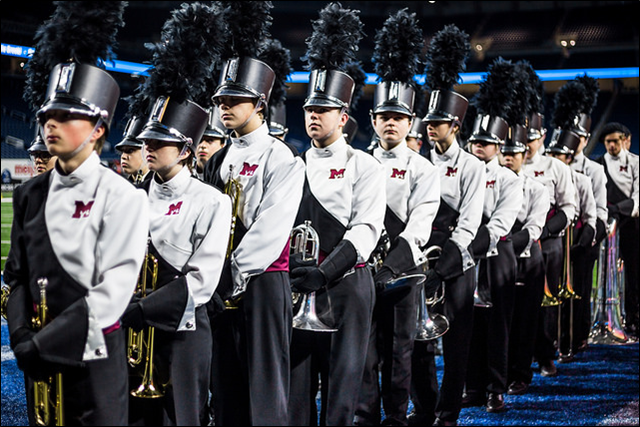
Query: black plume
568	103
591	93
398	50
498	91
526	93
535	89
335	38
355	71
250	24
83	31
446	58
187	57
278	58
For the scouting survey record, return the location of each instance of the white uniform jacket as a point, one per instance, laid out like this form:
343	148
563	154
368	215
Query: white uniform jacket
502	201
596	174
462	186
413	193
350	185
623	170
533	214
189	227
587	212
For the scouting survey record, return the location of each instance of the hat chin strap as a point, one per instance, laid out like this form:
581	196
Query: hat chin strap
342	111
255	111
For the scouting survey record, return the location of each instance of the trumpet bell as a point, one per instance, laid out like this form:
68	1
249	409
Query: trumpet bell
147	391
307	320
431	327
403	281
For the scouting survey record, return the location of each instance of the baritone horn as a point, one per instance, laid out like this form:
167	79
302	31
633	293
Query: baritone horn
305	241
48	403
376	262
233	188
141	343
430	326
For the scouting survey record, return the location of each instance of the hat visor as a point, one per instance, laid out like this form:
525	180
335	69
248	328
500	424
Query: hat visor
233	91
321	102
158	134
484	139
433	117
129	142
510	149
66	105
392	109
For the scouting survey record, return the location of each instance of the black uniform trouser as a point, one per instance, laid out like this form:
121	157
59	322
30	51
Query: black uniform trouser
524	324
251	355
487	368
182	362
95	394
338	357
391	341
628	247
458	308
547	335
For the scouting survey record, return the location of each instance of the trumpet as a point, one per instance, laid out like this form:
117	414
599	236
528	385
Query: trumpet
305	241
566	291
430	326
48	399
141	344
233	188
376	261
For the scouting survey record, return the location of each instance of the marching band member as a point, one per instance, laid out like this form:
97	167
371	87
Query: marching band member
462	182
251	342
213	139
413	197
344	200
492	248
621	167
188	233
40	156
130	148
595	171
556	177
86	282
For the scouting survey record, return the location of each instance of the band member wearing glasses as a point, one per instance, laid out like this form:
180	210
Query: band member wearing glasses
40	156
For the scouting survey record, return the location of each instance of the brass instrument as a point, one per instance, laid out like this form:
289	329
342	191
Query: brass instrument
481	299
47	394
430	326
566	291
548	300
233	188
6	291
607	320
305	241
376	262
141	343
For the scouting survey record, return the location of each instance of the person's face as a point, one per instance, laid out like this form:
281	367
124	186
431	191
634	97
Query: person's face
512	161
614	142
414	143
163	157
207	147
439	130
43	161
322	123
64	132
235	111
391	127
564	158
533	146
484	151
131	159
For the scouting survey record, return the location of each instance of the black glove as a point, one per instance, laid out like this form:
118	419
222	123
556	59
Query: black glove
381	278
432	283
449	266
215	306
29	360
297	260
601	230
554	225
307	279
614	211
520	240
133	317
225	286
480	244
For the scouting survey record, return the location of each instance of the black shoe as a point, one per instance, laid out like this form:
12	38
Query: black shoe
548	369
517	387
584	345
495	403
439	422
416	419
566	358
472	398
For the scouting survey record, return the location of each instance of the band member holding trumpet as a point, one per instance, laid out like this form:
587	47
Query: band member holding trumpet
344	200
188	236
462	182
413	197
252	337
73	354
621	167
501	116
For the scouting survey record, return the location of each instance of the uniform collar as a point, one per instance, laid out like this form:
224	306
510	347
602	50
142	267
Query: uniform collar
336	146
535	159
451	153
493	164
257	136
82	173
174	186
399	151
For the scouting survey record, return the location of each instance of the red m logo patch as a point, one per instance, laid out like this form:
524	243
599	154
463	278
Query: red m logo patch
248	170
451	171
336	173
396	173
538	173
82	210
174	209
490	184
623	168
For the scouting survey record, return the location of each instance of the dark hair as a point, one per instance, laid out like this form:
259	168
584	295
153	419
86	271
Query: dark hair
613	127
